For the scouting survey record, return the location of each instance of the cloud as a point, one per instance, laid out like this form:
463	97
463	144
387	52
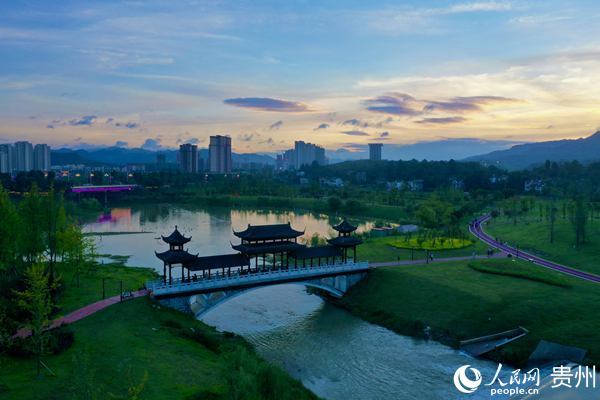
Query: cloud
356	122
395	104
355	133
267	104
128	125
192	141
121	143
86	120
322	126
246	137
386	121
442	121
384	134
276	125
152	144
465	104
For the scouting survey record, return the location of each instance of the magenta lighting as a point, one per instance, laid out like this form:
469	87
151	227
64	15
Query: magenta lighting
102	188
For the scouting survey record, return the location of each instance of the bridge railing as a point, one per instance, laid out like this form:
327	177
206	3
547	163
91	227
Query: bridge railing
179	285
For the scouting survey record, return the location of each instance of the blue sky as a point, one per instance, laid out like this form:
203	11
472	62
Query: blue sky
340	73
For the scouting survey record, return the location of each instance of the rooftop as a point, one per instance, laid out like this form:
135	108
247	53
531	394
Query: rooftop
176	238
268	232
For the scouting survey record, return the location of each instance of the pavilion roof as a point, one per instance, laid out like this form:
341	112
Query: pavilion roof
219	261
268	248
268	232
345	241
345	227
176	238
176	256
317	252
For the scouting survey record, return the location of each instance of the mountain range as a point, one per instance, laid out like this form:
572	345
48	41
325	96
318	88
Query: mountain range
506	154
527	155
118	156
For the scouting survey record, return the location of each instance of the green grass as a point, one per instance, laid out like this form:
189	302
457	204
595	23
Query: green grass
518	270
123	343
433	244
380	250
88	288
459	302
533	235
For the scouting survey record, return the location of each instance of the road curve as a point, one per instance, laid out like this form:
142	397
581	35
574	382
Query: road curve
476	229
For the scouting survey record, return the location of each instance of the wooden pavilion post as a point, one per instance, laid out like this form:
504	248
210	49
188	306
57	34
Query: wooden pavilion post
164	272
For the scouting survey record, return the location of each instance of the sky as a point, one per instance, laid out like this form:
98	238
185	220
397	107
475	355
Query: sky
158	73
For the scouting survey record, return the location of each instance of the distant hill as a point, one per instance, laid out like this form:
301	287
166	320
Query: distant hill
527	155
445	149
118	156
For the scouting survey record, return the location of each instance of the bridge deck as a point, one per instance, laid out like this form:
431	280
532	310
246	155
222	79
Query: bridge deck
179	287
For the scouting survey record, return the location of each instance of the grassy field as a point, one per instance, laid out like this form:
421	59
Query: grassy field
88	288
140	344
169	354
459	302
433	244
380	250
533	235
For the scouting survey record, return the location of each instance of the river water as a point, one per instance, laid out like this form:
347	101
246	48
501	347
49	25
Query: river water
333	353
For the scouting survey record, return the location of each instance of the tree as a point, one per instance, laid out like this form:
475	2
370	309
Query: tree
334	203
9	227
54	221
579	219
553	210
31	237
36	300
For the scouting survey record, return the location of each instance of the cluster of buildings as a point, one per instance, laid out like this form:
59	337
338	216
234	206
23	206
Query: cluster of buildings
23	157
219	157
302	154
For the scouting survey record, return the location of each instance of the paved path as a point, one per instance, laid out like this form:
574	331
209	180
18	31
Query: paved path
83	312
476	229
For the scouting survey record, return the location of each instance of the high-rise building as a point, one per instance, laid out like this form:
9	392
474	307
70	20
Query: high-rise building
188	158
307	153
161	161
23	156
41	157
219	154
7	164
375	151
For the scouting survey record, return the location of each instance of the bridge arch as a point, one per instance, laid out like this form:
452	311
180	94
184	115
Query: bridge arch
200	304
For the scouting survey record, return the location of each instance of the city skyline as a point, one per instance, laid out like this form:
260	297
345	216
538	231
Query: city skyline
157	75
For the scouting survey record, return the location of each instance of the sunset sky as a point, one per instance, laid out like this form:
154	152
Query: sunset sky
338	73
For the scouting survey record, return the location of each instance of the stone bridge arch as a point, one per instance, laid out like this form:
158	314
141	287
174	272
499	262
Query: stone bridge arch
200	304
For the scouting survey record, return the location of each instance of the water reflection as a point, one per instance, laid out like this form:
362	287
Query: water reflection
211	229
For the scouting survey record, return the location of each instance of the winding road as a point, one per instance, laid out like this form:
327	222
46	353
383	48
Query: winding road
476	229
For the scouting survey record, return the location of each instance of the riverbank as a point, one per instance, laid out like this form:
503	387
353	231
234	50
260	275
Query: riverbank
458	302
139	344
353	209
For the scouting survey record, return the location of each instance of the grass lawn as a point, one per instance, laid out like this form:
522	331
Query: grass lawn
459	302
533	235
439	243
88	289
137	342
381	250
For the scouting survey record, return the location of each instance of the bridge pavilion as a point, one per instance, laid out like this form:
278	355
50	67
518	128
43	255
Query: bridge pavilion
345	239
263	240
176	254
258	242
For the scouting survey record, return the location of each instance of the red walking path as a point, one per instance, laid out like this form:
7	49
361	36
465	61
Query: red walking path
476	229
83	312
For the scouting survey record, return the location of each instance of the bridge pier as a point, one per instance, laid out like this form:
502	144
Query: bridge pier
200	303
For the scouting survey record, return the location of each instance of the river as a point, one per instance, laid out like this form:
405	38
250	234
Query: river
333	353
